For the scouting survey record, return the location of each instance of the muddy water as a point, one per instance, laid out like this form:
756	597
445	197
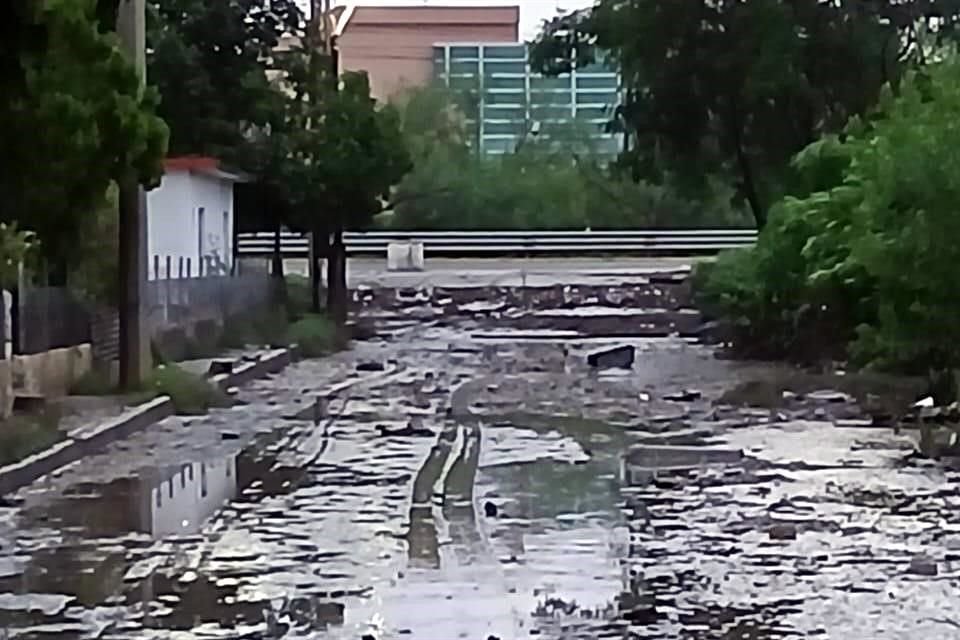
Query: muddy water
516	514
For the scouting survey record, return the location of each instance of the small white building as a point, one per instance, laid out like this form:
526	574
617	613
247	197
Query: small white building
190	219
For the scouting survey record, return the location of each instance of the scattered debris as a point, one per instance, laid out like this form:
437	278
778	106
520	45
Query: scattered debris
687	395
616	358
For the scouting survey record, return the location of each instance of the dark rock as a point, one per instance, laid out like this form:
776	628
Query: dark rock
367	636
687	395
408	431
371	366
361	331
220	366
490	509
229	435
618	357
923	565
783	531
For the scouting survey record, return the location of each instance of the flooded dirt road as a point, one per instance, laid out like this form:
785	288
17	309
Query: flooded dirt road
473	478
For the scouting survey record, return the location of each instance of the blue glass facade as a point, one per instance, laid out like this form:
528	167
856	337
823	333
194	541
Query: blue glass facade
506	102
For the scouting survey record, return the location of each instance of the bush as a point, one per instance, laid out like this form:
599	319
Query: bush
191	394
23	435
299	299
95	382
316	336
863	256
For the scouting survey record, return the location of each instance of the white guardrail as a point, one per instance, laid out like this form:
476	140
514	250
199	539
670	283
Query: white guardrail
507	242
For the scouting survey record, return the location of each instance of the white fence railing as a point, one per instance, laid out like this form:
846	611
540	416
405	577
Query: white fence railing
507	242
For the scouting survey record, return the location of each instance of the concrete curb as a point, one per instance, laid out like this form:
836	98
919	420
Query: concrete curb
82	442
273	361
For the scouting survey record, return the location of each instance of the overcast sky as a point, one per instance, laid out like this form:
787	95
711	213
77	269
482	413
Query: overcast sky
532	12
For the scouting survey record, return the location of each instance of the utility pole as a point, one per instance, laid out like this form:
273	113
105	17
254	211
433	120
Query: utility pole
134	348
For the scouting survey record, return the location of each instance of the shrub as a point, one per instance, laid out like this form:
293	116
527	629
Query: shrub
864	254
299	299
23	435
191	394
316	336
95	382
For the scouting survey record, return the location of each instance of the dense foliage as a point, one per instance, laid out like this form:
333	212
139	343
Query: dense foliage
734	89
556	181
211	61
75	119
861	261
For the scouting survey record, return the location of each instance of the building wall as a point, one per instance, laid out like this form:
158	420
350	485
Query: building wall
169	219
394	44
507	98
214	228
174	222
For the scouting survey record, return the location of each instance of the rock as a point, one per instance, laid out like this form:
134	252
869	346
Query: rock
783	531
854	423
923	565
220	366
371	366
616	358
403	432
490	509
229	435
361	331
687	395
828	395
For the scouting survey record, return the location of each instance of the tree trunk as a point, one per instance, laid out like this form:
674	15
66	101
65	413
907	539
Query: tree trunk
337	280
276	270
319	242
749	184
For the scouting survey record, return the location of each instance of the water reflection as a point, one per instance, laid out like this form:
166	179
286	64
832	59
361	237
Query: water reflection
159	503
182	502
156	504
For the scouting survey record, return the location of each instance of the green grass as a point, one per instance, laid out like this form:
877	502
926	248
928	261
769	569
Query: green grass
26	434
191	394
316	336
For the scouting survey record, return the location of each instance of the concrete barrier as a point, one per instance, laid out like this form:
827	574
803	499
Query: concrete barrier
405	256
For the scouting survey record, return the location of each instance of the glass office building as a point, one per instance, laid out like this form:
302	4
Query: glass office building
506	102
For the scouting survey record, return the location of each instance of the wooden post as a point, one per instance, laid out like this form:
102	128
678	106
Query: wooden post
134	347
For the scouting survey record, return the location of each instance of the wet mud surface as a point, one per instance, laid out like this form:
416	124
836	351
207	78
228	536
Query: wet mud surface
484	482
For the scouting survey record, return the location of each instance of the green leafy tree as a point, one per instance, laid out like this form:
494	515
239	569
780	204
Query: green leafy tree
80	121
736	88
348	154
554	180
861	261
211	62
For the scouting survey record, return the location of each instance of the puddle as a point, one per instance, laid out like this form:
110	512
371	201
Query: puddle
511	517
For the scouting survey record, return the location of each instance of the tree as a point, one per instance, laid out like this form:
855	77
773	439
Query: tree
736	88
80	121
860	262
348	154
211	62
